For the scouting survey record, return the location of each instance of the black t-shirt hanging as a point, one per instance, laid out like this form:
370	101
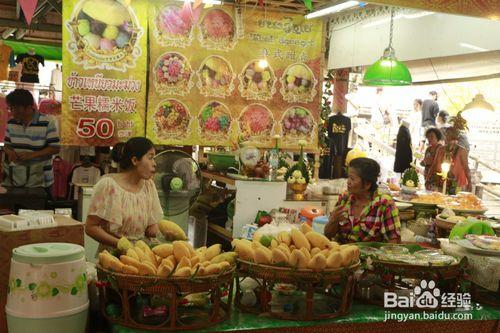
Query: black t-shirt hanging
30	64
339	127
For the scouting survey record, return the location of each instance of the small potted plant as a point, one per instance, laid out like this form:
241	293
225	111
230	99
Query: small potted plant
409	181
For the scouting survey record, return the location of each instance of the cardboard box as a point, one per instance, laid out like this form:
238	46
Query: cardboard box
66	231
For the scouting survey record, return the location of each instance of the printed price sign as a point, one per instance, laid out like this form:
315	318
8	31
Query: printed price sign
104	55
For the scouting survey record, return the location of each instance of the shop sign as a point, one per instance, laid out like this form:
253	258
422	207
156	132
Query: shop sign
104	72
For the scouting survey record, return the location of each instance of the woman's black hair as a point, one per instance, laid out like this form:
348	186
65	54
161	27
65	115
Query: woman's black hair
20	97
444	114
368	170
437	133
135	147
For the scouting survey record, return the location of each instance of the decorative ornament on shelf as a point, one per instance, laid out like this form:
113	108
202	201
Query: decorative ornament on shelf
326	109
410	181
298	176
388	71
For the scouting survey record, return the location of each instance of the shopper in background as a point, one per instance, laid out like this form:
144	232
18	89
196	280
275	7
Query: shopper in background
430	110
364	213
415	124
442	119
453	153
30	142
433	136
126	203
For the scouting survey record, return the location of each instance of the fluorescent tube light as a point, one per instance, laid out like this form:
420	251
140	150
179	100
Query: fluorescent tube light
472	47
332	9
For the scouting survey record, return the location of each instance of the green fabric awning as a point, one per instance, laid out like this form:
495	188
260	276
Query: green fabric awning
46	51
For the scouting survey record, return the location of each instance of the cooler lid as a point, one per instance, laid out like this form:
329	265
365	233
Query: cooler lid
47	253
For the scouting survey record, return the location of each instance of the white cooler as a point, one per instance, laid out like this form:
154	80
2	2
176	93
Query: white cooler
47	289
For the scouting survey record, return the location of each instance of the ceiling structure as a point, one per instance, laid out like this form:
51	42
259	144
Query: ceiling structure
45	27
46	24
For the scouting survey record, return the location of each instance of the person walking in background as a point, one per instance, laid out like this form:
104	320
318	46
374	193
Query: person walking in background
442	119
430	110
415	124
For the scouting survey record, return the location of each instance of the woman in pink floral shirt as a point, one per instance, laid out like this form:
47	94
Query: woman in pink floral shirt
126	203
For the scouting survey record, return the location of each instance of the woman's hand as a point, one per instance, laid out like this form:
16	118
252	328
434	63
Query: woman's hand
332	227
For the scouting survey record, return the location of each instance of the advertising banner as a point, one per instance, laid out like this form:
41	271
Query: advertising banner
223	74
104	72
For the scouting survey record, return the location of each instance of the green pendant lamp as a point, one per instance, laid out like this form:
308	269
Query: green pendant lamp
388	71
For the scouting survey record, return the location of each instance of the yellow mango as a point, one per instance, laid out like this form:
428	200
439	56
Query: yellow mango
307	254
184	262
163	250
244	250
300	240
213	269
284	237
334	260
317	263
123	245
305	228
229	257
126	260
298	259
262	255
127	269
164	270
315	250
318	240
283	247
171	230
146	268
182	272
213	251
142	245
133	254
181	250
279	256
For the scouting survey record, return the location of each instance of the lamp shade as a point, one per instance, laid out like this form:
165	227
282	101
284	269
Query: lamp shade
387	71
478	102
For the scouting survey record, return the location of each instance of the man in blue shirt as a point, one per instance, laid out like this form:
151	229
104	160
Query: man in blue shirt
31	140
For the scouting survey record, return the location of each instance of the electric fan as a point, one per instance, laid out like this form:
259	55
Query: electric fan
177	180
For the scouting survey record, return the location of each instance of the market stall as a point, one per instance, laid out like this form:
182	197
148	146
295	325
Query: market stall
230	107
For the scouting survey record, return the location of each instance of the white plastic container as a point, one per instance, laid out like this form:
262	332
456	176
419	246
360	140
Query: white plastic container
47	289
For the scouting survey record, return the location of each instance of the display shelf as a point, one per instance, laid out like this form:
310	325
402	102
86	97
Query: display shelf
218	177
220	231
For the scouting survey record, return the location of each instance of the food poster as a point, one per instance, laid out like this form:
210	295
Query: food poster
207	87
104	71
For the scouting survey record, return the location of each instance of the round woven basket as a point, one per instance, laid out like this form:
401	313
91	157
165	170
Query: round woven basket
321	295
117	287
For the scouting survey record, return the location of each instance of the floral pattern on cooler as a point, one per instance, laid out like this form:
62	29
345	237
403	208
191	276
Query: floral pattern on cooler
45	289
297	123
173	74
174	27
215	121
256	123
215	77
298	84
172	119
257	82
217	31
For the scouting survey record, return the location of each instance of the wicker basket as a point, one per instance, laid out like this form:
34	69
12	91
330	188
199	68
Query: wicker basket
318	295
391	276
122	289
